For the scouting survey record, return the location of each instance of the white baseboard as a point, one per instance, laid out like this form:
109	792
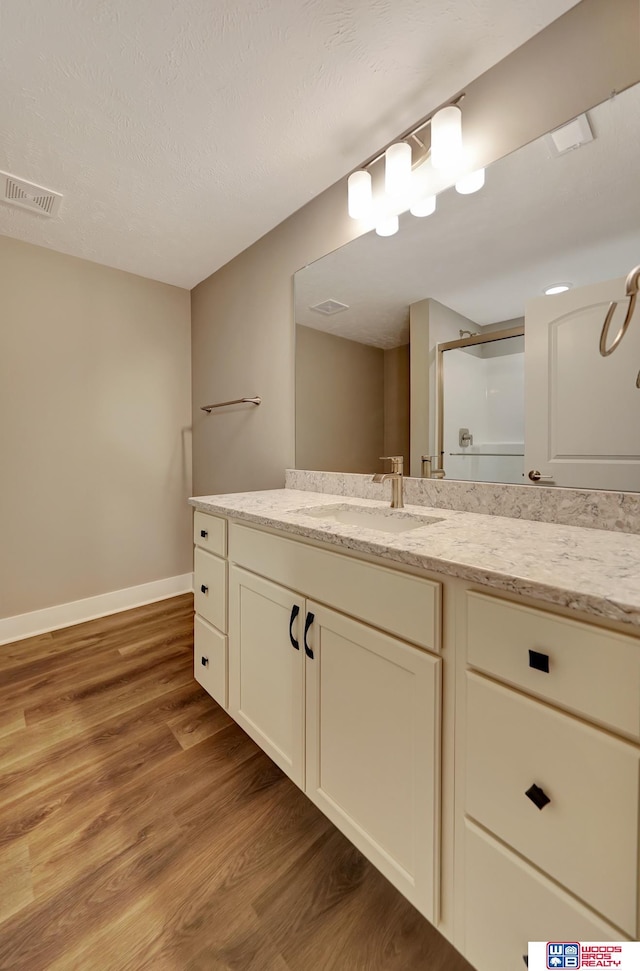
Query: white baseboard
66	615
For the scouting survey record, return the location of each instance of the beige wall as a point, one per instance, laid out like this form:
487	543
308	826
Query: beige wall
396	403
94	429
243	343
340	403
243	325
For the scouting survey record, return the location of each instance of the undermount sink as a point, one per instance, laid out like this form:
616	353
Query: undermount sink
387	520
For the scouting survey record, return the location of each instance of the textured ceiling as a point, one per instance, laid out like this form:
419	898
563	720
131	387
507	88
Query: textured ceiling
180	131
540	220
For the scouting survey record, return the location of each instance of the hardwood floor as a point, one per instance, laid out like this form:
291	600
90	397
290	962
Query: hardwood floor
140	828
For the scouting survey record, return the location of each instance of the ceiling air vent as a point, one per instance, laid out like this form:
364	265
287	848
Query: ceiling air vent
26	195
328	307
570	136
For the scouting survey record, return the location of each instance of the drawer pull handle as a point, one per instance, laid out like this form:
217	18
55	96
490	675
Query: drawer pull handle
204	533
203	588
204	661
537	796
295	610
539	661
307	624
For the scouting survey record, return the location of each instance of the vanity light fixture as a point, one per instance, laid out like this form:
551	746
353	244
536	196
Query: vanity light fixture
388	226
415	172
423	207
397	170
472	182
557	288
446	138
360	194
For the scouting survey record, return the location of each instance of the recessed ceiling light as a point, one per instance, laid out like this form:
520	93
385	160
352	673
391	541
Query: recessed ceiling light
557	288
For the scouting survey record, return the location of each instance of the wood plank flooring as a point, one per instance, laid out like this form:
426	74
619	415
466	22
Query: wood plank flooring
141	829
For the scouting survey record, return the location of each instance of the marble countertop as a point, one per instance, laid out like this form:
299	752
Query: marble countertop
592	570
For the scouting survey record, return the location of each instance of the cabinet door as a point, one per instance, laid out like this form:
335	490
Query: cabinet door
266	670
373	747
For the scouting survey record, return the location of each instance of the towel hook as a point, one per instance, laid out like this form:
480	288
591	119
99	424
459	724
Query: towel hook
632	286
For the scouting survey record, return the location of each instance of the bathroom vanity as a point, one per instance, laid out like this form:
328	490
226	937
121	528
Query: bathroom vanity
458	693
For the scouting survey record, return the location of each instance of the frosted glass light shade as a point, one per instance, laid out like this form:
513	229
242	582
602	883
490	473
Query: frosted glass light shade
467	184
423	207
397	170
388	226
446	138
360	198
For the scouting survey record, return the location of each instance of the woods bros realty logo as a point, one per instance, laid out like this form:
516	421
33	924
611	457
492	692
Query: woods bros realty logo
563	955
576	955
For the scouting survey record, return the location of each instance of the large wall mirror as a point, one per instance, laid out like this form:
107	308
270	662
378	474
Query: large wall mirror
408	362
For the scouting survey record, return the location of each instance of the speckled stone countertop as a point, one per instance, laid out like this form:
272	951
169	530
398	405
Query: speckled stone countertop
592	570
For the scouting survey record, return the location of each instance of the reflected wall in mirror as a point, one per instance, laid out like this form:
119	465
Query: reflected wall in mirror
366	371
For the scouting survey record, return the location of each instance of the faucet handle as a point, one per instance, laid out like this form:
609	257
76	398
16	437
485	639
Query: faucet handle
397	462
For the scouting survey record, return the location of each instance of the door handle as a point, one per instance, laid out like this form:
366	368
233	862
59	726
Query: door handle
536	476
295	610
307	624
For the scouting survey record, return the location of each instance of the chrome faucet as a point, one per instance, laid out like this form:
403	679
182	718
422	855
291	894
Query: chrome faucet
397	463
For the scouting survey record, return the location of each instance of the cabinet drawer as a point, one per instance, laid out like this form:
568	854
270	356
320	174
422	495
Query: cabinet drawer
507	904
586	837
592	672
210	660
210	533
396	602
210	583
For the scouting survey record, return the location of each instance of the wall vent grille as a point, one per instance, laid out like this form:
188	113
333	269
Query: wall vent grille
27	195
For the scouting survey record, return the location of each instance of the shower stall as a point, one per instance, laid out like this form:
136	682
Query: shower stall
480	419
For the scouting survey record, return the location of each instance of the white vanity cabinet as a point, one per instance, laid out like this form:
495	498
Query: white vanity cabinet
550	785
488	763
210	654
349	712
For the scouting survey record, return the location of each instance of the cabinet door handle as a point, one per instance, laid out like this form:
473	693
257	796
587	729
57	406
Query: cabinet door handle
539	661
307	624
204	661
295	610
203	588
204	533
537	796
